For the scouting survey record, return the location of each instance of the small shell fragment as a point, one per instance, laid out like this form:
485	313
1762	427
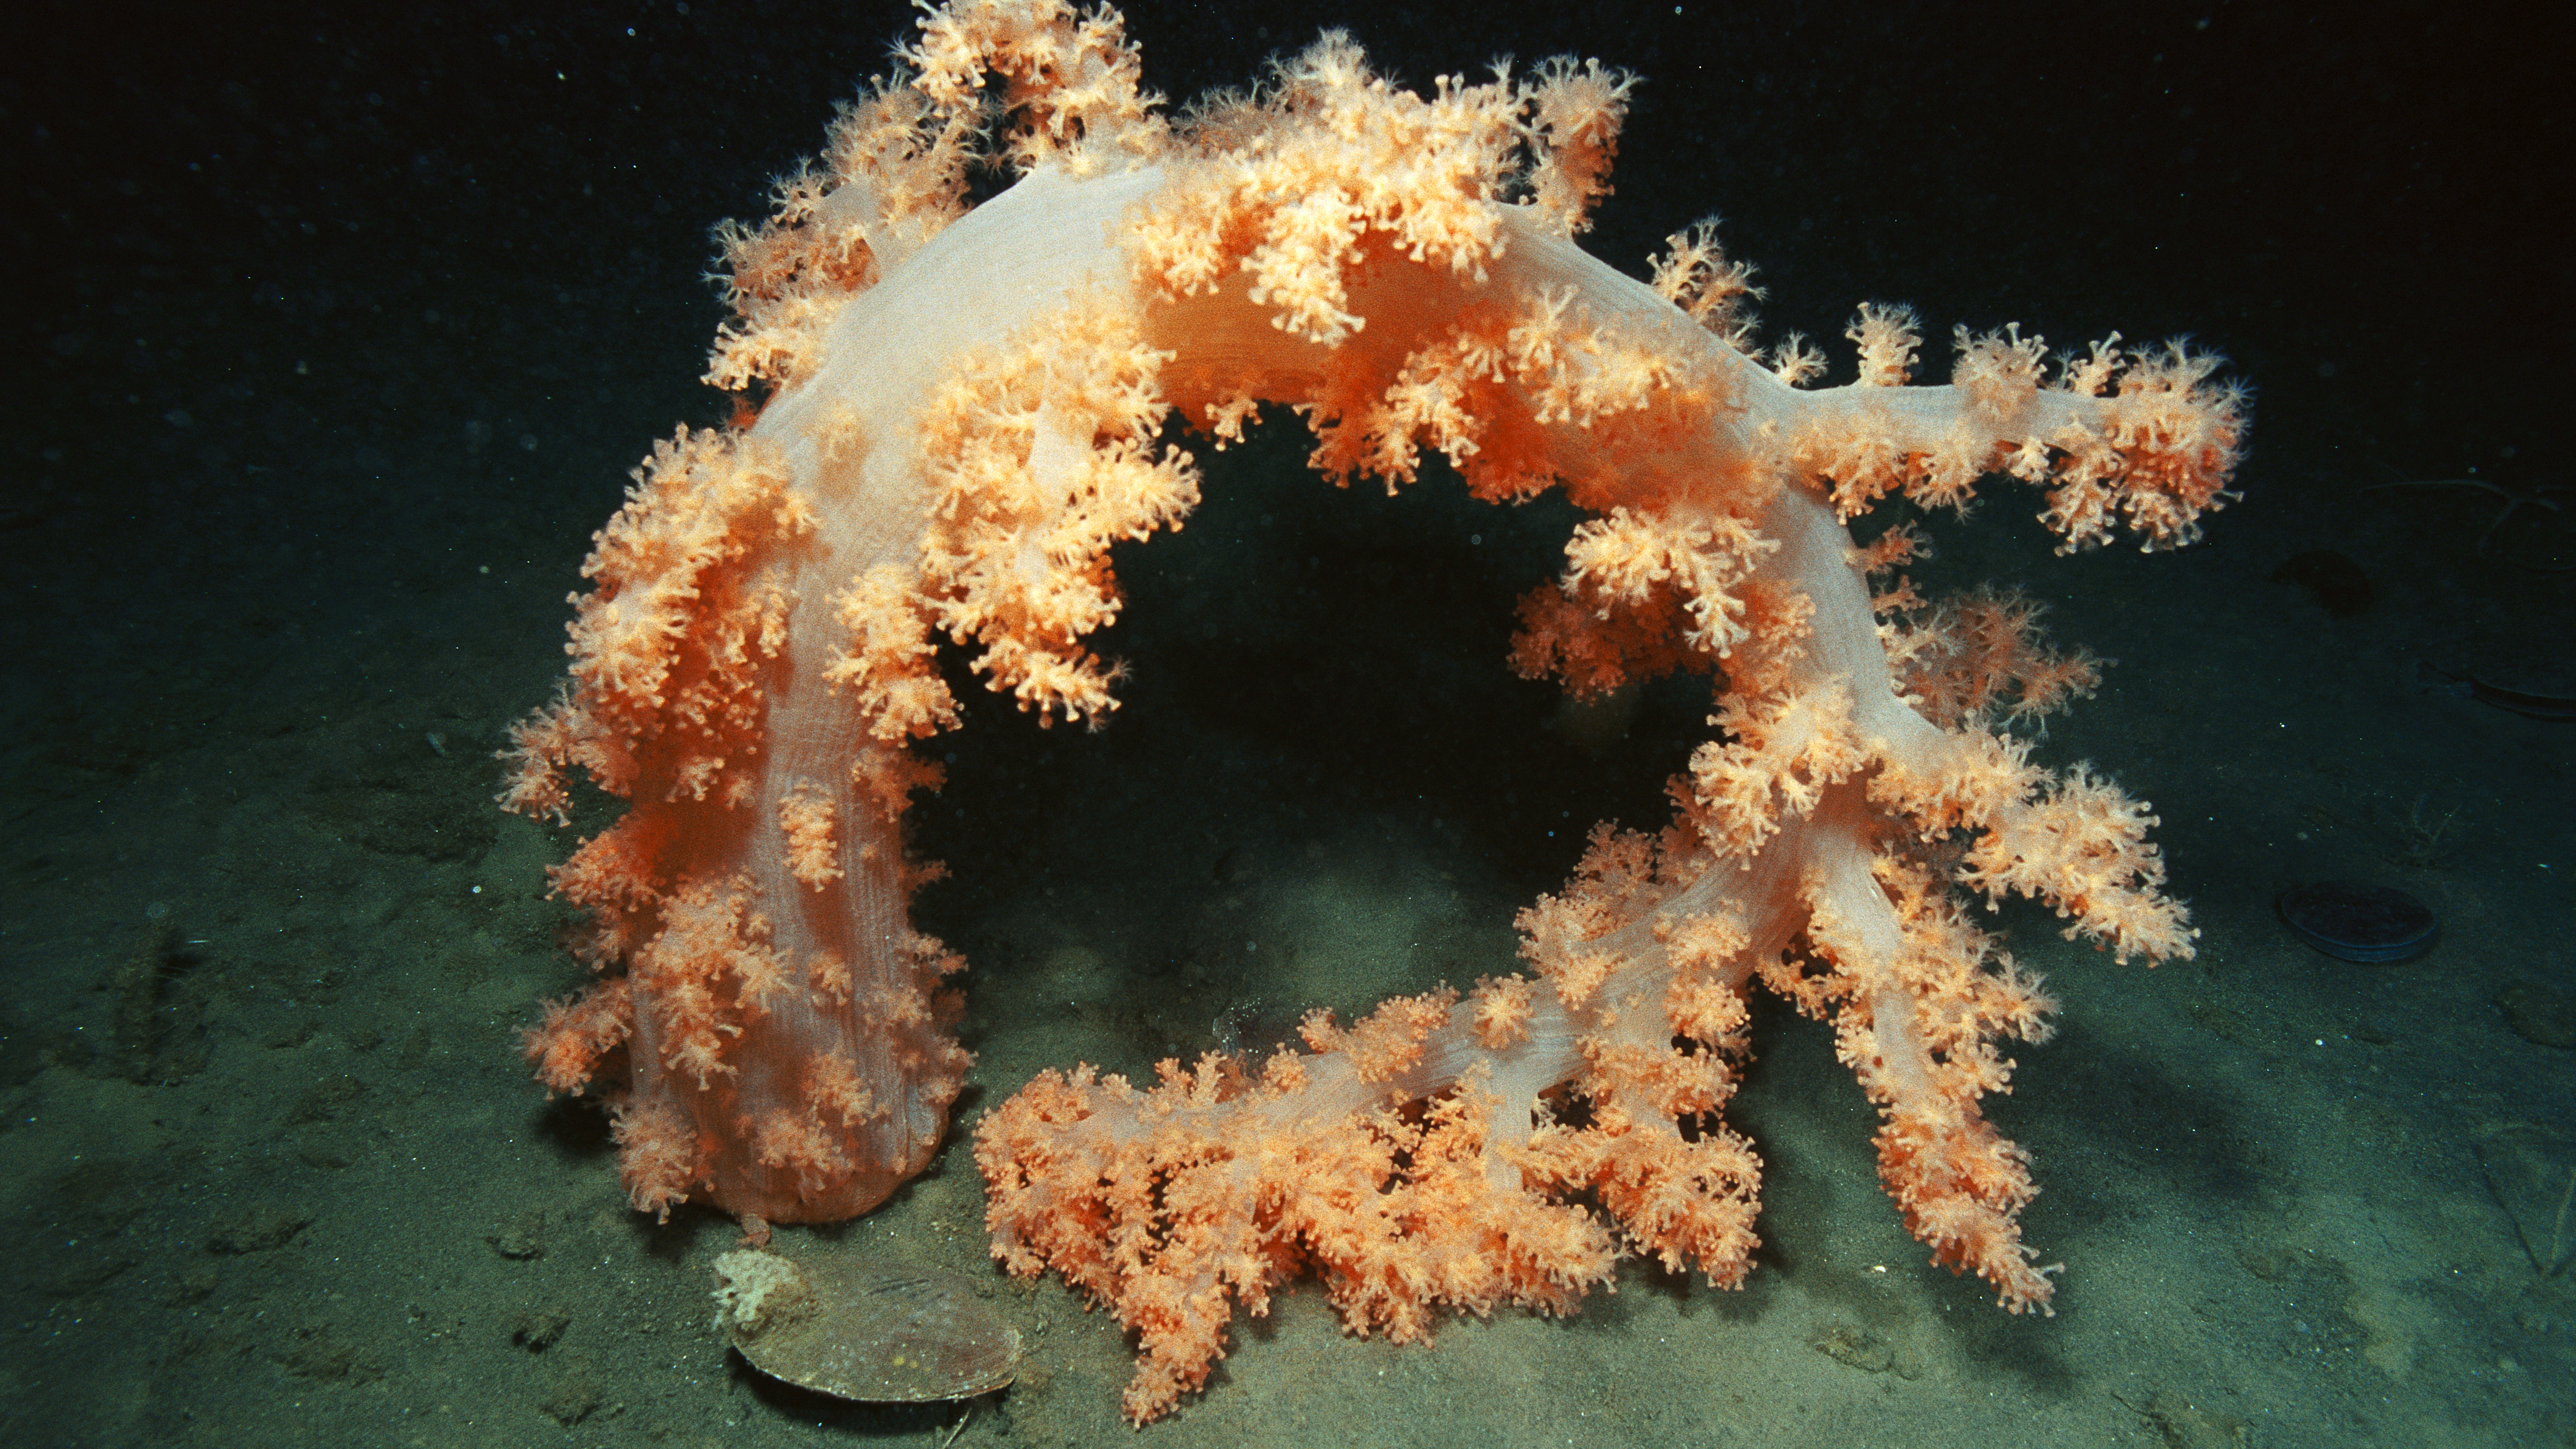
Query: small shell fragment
876	1332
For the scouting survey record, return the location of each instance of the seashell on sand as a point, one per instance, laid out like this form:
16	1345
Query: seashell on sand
876	1332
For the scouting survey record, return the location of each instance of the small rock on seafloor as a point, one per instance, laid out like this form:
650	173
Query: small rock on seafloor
2352	921
876	1332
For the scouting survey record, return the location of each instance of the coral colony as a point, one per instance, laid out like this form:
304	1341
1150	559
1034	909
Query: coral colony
963	412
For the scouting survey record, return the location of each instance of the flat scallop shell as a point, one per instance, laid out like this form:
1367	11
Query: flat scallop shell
876	1332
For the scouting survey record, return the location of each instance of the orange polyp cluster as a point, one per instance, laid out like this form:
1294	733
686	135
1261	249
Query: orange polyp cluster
964	415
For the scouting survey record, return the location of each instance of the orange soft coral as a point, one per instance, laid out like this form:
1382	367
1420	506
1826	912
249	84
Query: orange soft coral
964	413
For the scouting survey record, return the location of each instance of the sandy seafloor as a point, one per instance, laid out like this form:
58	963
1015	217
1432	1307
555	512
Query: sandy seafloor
339	333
